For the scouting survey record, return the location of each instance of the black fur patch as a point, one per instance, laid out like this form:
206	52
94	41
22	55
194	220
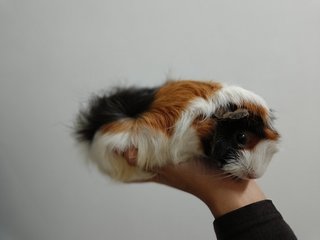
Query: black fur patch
122	103
222	146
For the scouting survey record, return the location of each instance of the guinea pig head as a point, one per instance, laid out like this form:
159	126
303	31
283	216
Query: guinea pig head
244	140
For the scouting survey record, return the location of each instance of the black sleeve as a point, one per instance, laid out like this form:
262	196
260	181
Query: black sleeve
260	221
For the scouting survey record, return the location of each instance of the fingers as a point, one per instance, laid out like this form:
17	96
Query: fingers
131	156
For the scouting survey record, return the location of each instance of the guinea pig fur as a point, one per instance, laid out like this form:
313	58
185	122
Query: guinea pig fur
226	126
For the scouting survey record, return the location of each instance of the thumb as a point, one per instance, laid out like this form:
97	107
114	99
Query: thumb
131	156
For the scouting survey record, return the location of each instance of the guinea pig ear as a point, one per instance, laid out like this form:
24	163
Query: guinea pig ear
237	114
233	115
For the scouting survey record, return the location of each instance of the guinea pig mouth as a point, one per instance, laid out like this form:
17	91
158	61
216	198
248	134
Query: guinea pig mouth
252	164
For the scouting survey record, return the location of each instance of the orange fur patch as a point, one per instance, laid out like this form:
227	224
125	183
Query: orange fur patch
172	99
252	141
122	125
271	134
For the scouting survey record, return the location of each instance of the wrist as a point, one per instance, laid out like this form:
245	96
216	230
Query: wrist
231	195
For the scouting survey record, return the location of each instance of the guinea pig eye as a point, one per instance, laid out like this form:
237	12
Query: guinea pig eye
241	138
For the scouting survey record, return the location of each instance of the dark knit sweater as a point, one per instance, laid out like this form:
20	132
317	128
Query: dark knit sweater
259	221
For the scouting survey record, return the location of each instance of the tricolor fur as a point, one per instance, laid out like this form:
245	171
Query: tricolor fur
226	126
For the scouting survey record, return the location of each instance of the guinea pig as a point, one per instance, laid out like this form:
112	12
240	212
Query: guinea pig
225	126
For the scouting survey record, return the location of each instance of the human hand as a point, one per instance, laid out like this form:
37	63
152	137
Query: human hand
219	191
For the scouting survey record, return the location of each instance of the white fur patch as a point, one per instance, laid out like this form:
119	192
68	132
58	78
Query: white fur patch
103	154
237	95
154	150
252	163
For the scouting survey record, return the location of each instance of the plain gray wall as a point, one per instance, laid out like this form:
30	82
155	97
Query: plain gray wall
53	54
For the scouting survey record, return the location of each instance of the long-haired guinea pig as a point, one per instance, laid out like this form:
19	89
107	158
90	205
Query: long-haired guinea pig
226	126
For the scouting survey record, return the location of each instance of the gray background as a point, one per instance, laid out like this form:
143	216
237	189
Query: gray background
53	54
